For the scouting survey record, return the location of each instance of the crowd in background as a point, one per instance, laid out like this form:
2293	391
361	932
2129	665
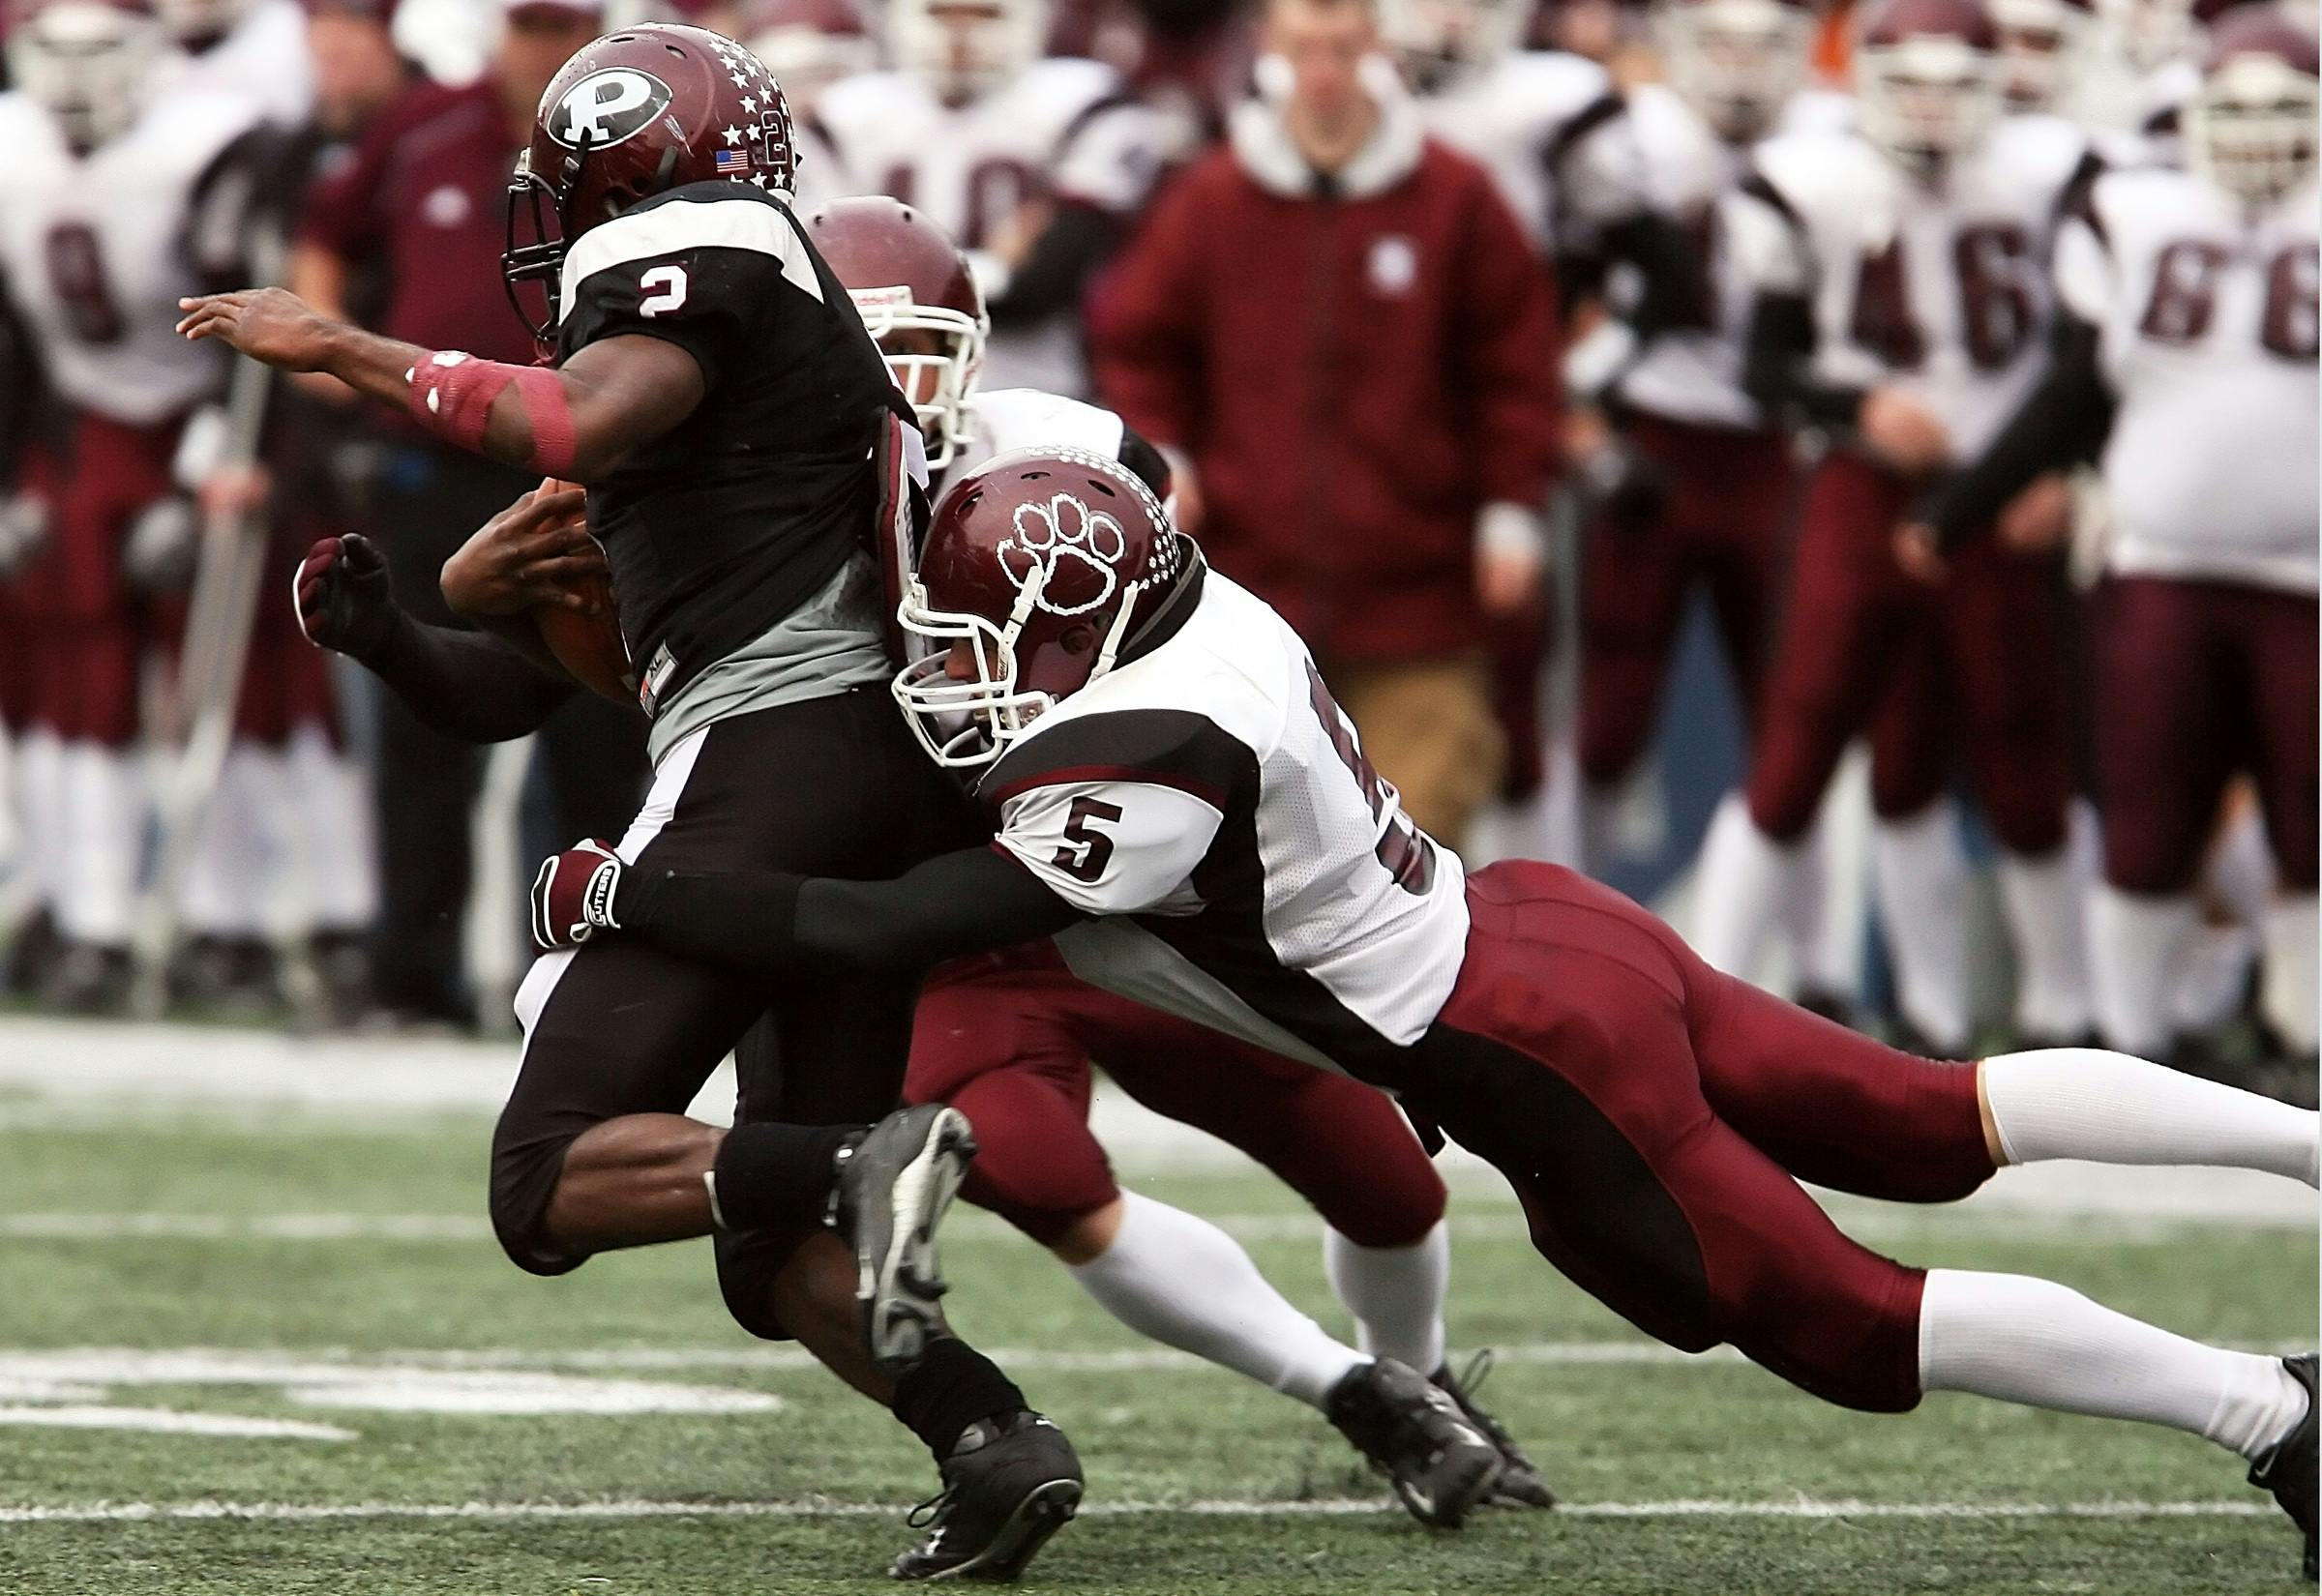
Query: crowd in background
1487	344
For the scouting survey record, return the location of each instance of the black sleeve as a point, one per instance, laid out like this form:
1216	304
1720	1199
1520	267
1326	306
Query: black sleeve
1778	369
466	685
1057	269
766	921
2061	421
1676	280
1149	463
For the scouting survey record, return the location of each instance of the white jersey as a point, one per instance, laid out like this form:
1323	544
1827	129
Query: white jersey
1939	291
2207	321
1551	129
1211	799
1001	419
97	249
973	169
1692	372
263	58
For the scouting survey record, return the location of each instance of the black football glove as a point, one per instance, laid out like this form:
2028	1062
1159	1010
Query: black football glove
344	598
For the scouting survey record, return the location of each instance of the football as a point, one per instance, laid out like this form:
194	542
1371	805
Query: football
587	643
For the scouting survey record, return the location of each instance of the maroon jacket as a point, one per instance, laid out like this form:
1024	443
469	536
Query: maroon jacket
1353	377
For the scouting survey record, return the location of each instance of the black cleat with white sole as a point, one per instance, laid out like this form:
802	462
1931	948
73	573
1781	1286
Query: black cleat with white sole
892	1191
1008	1486
2290	1471
1441	1465
1520	1482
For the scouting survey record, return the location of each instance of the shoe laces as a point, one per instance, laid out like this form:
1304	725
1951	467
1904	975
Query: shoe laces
931	1513
1464	1387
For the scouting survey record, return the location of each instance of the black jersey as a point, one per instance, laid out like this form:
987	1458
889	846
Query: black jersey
748	506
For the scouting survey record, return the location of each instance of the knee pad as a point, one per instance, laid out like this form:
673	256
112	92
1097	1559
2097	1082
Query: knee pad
1843	1326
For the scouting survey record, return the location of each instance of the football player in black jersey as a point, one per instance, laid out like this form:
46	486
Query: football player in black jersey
714	391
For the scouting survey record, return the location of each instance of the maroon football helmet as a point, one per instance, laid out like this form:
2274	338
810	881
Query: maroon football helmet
917	297
2249	128
1041	566
632	115
1927	73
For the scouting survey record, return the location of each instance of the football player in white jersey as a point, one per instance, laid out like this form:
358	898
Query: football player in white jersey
1698	489
113	203
975	127
2186	354
1901	295
255	48
1176	796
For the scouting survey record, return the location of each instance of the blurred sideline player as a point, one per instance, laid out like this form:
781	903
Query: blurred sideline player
974	125
114	203
1900	295
1696	488
1009	1038
810	45
255	49
2186	351
1175	796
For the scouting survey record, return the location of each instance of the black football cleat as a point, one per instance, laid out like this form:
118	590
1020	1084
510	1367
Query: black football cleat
1008	1486
2290	1469
1441	1465
1520	1484
892	1190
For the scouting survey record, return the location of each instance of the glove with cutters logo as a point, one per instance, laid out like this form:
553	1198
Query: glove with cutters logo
572	896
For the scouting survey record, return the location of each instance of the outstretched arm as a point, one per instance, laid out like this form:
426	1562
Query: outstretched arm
579	420
767	921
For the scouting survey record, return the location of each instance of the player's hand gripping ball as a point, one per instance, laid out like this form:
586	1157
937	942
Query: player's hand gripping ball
536	558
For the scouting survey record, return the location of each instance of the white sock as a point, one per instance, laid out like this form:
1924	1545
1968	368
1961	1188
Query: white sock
1921	873
2212	978
225	877
2293	942
2046	903
1395	1294
2019	1339
1183	1282
101	810
40	802
2240	873
1741	883
2111	1109
336	860
2138	943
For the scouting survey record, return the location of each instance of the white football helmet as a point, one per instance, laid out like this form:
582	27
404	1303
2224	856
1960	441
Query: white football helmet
967	48
1439	40
2044	47
1736	62
192	22
86	63
2249	128
810	44
1927	73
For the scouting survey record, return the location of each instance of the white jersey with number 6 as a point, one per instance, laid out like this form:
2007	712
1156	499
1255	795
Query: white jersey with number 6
2207	319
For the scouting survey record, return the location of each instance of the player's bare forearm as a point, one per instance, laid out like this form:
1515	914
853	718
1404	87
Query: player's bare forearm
579	422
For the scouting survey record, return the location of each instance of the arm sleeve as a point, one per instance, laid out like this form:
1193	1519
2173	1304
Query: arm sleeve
1507	355
2060	421
1059	266
763	921
1146	329
466	685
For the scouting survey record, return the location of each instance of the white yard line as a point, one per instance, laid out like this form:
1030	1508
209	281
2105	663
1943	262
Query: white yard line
499	1512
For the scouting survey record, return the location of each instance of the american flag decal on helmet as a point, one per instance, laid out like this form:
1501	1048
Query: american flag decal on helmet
732	162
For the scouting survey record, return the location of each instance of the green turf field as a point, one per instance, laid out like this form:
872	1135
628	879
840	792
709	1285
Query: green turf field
291	1359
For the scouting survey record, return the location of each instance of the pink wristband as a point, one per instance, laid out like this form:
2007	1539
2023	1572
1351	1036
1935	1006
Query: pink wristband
452	394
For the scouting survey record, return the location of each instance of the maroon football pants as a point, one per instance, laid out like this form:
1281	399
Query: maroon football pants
1971	666
1656	1116
1720	530
1009	1044
2203	679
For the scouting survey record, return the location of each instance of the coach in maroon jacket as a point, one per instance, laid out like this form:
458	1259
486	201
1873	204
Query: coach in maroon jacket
1336	322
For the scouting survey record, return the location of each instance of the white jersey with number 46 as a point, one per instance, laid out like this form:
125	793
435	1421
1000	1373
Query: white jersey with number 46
1939	290
2207	320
